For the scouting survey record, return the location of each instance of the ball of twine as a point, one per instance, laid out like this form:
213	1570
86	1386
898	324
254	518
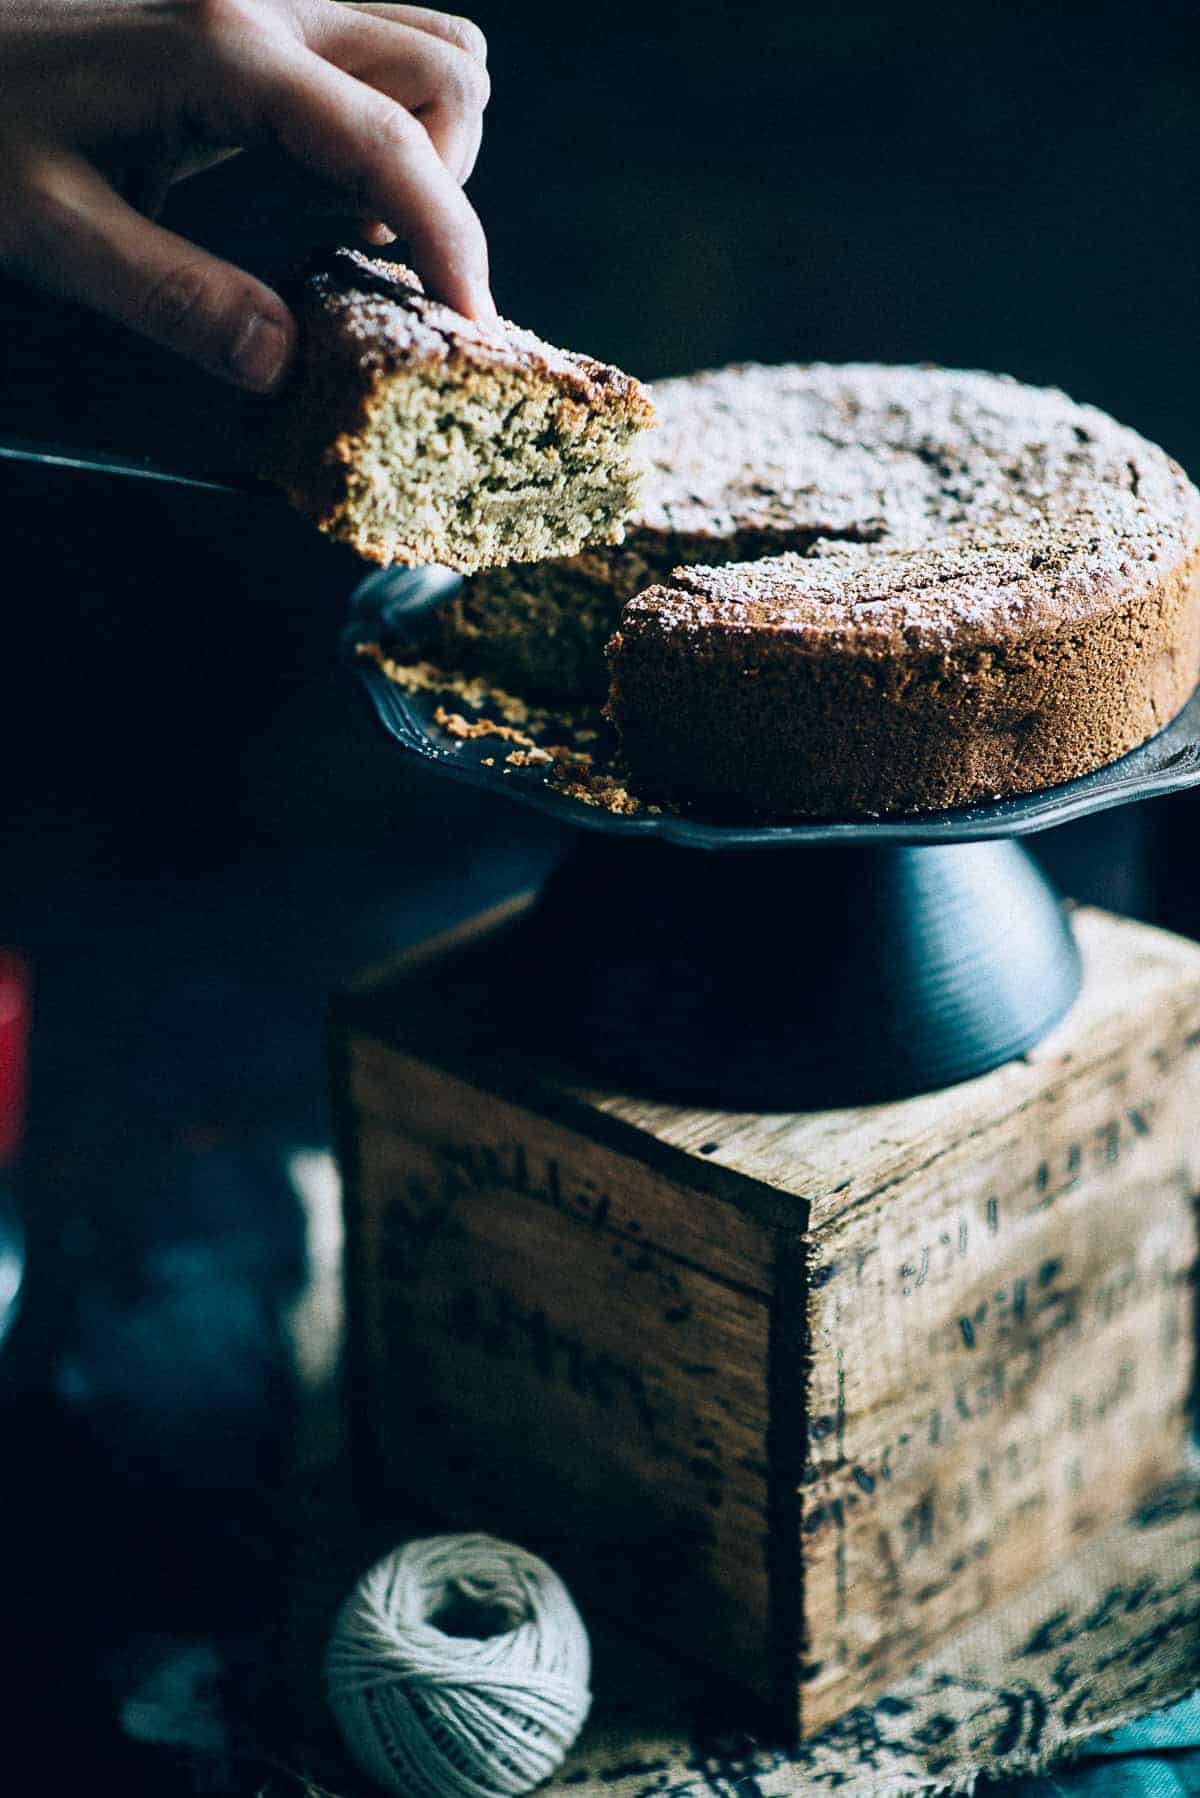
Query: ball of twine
459	1668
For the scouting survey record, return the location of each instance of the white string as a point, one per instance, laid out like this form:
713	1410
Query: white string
437	1715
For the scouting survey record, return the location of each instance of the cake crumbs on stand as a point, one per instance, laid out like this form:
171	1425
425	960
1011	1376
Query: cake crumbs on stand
455	725
576	767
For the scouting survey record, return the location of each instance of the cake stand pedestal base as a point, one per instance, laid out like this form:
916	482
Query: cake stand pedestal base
804	977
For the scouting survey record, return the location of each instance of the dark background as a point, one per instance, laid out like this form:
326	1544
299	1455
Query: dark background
199	834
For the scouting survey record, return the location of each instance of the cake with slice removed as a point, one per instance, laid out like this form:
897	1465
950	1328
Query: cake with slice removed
418	436
894	590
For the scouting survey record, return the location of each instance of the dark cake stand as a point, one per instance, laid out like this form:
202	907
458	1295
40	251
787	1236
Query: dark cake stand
784	966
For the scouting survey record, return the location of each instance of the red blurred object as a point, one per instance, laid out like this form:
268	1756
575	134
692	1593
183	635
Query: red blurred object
14	1038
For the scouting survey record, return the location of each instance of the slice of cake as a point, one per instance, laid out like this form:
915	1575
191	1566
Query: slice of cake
417	436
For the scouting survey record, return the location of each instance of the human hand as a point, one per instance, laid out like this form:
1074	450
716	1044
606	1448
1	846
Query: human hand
107	103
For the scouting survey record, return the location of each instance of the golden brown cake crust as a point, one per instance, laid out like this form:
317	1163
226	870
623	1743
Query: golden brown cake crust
1001	591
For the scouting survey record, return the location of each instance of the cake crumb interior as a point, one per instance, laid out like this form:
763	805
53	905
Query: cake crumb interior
471	471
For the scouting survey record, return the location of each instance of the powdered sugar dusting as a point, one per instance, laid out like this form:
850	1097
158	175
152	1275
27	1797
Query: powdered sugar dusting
926	505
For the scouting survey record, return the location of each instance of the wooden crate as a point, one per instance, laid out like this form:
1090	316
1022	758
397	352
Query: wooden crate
799	1394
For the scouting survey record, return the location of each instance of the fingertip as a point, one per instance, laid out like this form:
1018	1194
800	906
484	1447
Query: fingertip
472	299
484	306
467	292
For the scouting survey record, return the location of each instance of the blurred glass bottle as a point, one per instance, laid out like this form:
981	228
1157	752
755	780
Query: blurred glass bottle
14	1036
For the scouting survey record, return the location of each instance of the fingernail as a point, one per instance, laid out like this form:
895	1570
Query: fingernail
260	355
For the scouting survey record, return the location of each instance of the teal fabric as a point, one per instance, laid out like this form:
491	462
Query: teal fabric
1177	1728
1158	1757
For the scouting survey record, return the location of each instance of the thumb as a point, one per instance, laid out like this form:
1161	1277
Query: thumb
70	232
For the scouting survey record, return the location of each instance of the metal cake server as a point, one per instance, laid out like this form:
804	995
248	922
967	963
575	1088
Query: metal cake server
68	455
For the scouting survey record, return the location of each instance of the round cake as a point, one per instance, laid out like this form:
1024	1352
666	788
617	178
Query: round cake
893	590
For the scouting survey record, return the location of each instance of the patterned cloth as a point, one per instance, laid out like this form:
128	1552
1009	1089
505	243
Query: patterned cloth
1157	1757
